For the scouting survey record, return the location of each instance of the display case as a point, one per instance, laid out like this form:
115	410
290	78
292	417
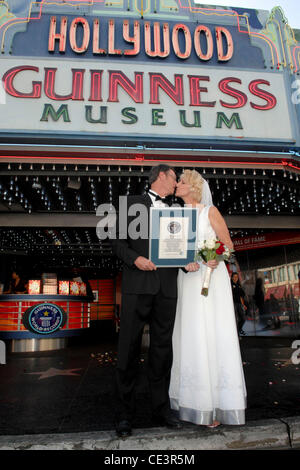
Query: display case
35	322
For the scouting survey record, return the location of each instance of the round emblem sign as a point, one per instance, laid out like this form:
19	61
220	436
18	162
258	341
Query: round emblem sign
174	227
44	318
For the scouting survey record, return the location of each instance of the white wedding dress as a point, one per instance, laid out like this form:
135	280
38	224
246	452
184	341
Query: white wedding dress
207	379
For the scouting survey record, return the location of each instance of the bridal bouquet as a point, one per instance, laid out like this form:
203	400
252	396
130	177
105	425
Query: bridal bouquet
210	250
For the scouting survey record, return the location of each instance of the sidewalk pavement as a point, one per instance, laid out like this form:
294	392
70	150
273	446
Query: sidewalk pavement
63	400
272	434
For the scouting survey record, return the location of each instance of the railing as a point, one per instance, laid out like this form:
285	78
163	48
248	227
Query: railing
101	311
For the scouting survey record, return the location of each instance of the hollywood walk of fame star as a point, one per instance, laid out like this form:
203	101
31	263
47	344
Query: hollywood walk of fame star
52	372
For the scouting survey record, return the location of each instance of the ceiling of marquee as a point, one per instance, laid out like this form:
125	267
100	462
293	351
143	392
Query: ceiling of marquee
36	188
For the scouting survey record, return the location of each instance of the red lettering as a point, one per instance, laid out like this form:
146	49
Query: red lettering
156	38
86	35
241	98
220	32
196	90
77	85
135	39
135	90
188	41
96	37
157	52
270	99
158	82
209	42
96	81
175	92
8	79
111	39
53	35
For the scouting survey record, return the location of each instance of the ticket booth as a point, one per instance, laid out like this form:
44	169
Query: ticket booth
46	316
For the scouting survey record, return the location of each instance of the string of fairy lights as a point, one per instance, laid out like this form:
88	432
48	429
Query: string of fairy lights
67	189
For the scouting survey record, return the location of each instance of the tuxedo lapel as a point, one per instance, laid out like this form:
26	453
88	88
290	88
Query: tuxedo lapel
147	200
148	203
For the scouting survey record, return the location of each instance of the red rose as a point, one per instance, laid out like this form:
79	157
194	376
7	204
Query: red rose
221	249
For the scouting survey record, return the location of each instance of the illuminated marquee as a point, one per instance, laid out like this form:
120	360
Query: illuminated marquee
195	103
120	75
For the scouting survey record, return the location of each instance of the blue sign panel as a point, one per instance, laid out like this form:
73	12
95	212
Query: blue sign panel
245	54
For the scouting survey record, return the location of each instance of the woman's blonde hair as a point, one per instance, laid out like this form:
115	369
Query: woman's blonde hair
195	180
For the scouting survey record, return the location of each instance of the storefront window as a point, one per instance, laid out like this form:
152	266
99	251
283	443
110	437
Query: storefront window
274	276
291	276
271	283
282	274
296	268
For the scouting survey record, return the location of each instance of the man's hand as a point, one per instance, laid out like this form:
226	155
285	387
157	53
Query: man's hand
192	267
144	264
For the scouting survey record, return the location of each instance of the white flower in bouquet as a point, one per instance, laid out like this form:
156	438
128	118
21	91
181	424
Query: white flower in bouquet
227	252
201	245
210	244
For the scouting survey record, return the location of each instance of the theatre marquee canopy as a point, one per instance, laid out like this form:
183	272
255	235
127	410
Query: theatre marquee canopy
90	75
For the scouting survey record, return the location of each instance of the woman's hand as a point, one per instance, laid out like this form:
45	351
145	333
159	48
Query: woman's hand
213	264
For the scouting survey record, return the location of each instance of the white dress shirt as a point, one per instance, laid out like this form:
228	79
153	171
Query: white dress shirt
157	203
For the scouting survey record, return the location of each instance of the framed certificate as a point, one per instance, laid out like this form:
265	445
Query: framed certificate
173	236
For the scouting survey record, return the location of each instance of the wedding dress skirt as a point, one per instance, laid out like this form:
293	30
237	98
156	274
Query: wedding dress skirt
207	379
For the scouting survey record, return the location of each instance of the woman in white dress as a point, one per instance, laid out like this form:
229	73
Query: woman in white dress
207	381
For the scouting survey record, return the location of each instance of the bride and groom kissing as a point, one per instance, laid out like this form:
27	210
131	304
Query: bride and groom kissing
194	364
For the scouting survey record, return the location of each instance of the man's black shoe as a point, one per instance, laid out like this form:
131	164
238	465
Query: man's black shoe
168	420
123	428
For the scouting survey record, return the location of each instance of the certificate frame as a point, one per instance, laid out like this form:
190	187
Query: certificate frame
162	240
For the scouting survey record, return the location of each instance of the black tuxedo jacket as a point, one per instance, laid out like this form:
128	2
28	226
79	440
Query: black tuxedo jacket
134	280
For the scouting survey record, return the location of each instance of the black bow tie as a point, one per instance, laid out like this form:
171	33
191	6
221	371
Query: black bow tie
158	198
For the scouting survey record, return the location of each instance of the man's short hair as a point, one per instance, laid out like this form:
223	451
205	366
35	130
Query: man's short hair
154	172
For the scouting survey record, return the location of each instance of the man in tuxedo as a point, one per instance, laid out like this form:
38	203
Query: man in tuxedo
149	295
